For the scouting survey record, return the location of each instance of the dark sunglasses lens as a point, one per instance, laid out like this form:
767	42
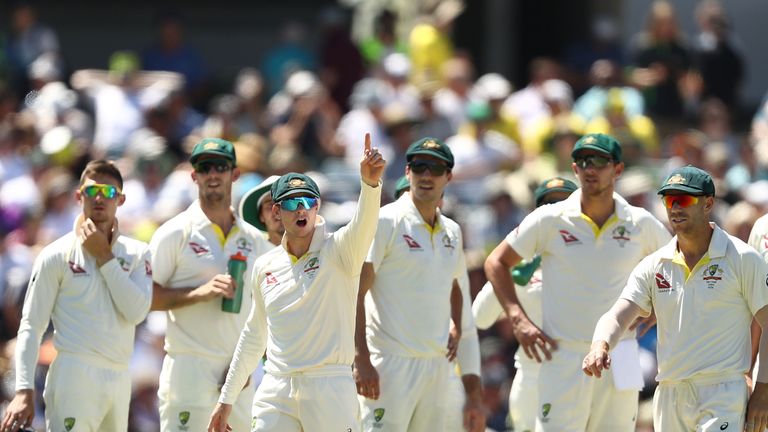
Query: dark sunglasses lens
420	167
205	167
595	161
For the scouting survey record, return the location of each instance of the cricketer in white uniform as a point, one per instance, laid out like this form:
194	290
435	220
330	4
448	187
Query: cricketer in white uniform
524	394
588	244
468	362
758	237
304	295
403	359
705	287
189	255
96	286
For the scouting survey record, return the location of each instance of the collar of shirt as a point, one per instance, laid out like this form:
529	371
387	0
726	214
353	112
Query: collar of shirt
717	246
199	220
572	206
411	213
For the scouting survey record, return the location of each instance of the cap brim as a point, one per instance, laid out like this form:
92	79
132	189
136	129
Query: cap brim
430	153
554	189
297	191
249	206
680	188
225	155
590	147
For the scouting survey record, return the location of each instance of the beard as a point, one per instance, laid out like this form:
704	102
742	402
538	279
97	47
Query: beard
214	197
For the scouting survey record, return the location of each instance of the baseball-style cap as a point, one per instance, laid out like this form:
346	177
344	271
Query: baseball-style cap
213	146
292	184
402	186
555	184
599	142
430	146
250	203
689	179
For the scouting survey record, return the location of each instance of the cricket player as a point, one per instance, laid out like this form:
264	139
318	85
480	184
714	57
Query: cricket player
404	354
588	245
96	286
304	295
705	287
190	253
256	209
523	396
758	237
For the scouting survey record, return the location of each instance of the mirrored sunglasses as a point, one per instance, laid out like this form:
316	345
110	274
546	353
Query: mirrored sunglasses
681	200
107	191
220	165
292	204
595	161
421	166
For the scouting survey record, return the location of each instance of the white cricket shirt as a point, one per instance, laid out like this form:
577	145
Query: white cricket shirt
758	237
408	308
703	315
584	267
304	308
94	309
187	251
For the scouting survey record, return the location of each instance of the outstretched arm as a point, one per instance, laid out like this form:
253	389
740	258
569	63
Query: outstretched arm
609	329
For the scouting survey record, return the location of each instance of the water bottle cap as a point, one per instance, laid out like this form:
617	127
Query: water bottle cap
239	257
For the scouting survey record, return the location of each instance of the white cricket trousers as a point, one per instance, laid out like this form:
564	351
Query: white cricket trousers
86	393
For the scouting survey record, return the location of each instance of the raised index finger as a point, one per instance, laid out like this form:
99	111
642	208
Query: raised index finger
367	142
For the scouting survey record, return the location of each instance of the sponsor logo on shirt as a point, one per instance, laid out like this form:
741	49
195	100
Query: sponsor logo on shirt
244	245
148	268
724	426
270	279
765	241
712	274
412	244
76	269
569	238
662	283
621	234
197	248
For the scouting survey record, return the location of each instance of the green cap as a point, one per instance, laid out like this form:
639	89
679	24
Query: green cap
250	203
689	179
215	147
599	142
292	184
124	62
402	185
555	184
430	146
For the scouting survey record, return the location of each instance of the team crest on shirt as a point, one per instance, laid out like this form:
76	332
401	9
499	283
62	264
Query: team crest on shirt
412	244
311	267
447	242
124	263
569	238
712	274
76	268
378	414
244	245
183	419
621	234
198	249
69	423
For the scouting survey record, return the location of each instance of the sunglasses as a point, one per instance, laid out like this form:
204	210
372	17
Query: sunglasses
220	165
681	200
291	204
592	161
421	166
107	191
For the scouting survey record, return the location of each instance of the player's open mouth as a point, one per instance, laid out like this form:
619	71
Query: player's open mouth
301	223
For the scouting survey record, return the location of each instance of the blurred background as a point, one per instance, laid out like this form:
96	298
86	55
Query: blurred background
509	85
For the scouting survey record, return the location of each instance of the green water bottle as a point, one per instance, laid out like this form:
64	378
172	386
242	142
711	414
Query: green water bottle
523	272
235	268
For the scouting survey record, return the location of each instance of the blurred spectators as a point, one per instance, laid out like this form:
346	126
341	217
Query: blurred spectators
341	64
606	76
384	39
528	104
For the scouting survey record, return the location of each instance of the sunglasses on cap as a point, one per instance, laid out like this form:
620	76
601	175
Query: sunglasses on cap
205	166
107	191
595	161
291	204
681	200
421	166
